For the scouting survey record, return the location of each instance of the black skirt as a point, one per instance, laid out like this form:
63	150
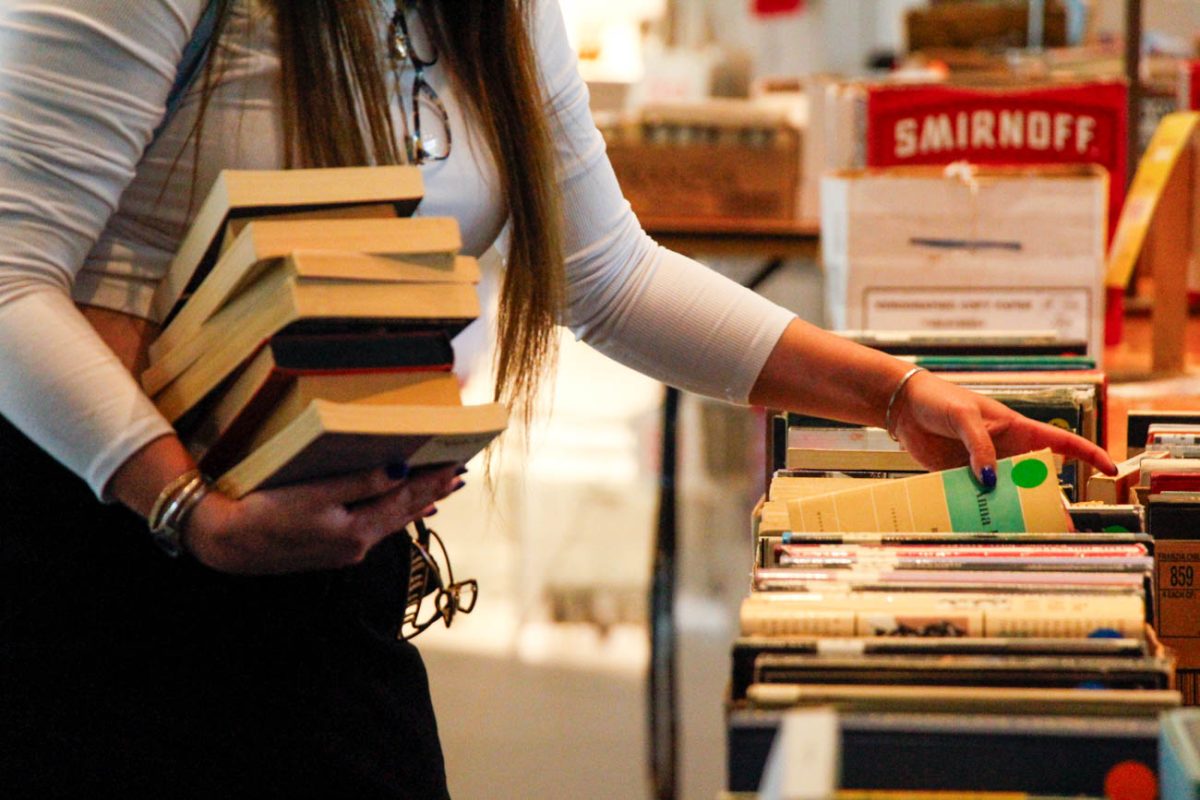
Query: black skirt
124	672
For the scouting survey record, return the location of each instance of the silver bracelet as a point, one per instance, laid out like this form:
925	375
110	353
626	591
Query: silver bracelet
888	423
172	508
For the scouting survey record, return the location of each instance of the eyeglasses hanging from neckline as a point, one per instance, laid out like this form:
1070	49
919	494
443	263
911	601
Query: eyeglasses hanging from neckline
433	142
430	573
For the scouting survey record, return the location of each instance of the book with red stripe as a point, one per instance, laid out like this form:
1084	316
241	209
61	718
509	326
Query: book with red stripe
374	366
278	303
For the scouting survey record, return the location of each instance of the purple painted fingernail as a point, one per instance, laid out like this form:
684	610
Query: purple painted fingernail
989	477
461	471
430	511
458	484
398	471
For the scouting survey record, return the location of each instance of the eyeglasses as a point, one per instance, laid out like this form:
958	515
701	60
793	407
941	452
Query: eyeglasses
432	143
430	573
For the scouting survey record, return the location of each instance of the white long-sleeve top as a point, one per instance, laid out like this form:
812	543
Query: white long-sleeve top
92	207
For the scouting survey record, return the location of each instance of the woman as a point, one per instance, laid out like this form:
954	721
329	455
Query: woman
266	662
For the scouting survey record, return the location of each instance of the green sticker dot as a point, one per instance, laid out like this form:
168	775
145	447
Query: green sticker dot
1115	529
1029	473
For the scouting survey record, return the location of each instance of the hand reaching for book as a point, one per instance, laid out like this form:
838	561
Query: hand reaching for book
316	525
944	425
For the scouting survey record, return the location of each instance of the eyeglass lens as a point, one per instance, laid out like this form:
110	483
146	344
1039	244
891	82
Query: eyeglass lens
427	138
431	126
433	574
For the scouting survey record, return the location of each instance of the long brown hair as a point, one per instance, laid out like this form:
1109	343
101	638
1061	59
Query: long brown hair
336	114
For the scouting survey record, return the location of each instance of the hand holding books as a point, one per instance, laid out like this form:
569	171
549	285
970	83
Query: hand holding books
307	345
315	525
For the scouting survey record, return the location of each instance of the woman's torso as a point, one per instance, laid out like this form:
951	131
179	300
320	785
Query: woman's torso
242	129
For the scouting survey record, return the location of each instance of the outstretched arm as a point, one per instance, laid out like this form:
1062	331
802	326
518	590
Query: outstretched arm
675	320
942	425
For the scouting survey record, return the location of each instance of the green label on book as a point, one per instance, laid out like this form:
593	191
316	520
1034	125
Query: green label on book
1030	473
973	510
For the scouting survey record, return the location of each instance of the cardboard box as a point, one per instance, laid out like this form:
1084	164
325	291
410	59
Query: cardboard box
857	124
981	24
967	248
1015	124
720	161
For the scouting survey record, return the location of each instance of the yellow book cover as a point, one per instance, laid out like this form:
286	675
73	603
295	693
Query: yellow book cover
1026	499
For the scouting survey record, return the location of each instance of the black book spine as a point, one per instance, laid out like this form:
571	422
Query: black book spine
1034	755
363	350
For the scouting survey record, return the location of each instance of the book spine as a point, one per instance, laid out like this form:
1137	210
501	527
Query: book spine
779	441
1139	423
809	622
1064	617
799	553
1131	578
1062	626
1173	439
848	623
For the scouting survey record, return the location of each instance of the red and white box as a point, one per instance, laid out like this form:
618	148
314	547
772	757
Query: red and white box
1076	123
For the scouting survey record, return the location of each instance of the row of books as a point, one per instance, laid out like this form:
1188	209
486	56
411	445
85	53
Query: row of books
969	641
308	319
1164	458
1063	390
1162	476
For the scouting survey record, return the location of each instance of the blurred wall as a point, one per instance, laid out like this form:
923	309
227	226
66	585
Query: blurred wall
840	35
1180	17
827	36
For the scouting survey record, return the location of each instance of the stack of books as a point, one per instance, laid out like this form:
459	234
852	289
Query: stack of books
307	331
970	640
1162	477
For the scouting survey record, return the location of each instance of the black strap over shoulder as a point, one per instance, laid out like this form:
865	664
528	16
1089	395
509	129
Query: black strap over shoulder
195	53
